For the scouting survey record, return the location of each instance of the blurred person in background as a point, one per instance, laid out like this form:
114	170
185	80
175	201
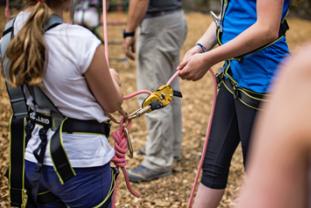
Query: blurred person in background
160	36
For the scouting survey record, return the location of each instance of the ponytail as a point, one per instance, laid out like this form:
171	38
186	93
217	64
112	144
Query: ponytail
27	49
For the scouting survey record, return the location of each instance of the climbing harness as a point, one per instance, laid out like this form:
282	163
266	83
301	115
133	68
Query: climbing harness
42	112
247	97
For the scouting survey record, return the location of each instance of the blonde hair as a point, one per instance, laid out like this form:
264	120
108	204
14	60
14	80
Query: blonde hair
26	51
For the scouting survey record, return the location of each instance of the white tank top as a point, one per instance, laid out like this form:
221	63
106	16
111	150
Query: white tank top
70	50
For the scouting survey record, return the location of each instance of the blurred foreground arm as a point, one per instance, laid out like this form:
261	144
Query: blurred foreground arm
278	173
137	11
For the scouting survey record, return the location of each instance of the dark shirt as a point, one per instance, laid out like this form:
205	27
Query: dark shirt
163	5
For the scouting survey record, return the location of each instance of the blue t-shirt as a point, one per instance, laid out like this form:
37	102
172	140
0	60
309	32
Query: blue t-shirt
256	70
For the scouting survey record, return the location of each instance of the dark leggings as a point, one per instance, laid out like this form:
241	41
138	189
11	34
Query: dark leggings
232	123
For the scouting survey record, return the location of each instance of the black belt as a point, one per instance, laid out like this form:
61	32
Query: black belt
74	125
161	13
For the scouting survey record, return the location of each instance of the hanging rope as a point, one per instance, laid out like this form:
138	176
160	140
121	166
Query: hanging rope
7	11
119	135
207	135
105	30
121	148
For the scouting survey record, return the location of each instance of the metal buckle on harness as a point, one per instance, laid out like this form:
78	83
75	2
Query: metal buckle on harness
236	91
217	20
219	77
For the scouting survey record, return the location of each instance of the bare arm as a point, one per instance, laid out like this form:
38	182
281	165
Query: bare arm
137	11
278	171
104	83
208	40
262	32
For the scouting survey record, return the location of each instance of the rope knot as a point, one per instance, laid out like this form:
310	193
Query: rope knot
120	147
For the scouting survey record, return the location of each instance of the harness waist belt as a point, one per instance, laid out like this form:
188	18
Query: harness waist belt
74	125
247	97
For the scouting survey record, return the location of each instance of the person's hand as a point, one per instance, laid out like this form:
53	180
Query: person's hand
129	47
194	68
115	76
192	51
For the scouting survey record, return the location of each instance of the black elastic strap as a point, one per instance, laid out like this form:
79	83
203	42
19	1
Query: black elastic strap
16	171
75	125
177	93
40	151
52	26
7	31
61	162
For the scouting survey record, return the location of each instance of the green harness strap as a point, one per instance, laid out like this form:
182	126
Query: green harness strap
249	98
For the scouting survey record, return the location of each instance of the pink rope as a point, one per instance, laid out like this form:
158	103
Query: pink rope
7	9
207	135
105	31
140	92
169	82
119	159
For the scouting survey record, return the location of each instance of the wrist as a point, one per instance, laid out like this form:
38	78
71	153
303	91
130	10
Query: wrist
202	48
128	34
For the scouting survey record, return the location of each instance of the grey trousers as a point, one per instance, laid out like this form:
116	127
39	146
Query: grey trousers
158	50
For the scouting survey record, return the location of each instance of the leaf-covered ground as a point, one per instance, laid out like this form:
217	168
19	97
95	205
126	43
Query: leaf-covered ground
172	191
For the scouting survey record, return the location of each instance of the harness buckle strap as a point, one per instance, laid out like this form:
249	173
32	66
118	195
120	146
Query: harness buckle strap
40	151
247	97
236	92
217	20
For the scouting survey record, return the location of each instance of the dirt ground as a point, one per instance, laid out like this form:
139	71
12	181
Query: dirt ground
172	191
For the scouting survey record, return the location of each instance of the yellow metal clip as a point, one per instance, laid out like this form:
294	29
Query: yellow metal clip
163	96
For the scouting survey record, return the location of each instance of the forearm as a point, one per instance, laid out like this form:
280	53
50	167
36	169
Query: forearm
209	39
137	11
251	39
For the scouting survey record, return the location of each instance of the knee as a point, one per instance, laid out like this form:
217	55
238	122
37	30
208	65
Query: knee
214	176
